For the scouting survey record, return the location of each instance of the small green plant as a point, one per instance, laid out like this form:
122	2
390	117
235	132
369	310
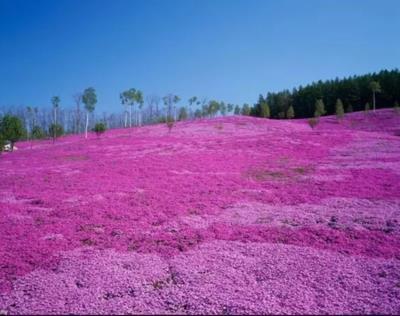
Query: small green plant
313	122
100	128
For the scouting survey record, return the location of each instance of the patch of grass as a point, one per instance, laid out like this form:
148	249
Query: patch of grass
303	170
262	175
88	242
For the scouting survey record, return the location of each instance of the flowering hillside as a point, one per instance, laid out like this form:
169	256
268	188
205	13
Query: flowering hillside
229	215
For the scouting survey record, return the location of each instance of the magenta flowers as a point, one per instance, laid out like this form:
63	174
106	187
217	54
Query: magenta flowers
230	215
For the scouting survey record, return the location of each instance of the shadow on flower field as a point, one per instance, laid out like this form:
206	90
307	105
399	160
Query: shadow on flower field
229	215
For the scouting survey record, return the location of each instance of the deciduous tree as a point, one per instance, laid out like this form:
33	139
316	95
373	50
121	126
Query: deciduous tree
89	99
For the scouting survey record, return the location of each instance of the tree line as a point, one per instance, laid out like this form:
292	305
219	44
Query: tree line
380	89
319	98
30	123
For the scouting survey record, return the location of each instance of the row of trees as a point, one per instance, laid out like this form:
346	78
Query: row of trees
340	111
381	89
137	110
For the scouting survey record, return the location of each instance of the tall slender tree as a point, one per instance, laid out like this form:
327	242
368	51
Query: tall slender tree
78	100
128	99
140	102
55	101
375	88
192	101
89	99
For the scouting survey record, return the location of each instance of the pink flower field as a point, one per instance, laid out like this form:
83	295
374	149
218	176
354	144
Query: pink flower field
225	216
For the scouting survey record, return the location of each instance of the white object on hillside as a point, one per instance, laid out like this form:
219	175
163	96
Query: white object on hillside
7	146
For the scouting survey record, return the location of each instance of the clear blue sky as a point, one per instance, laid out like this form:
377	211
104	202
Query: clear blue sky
229	50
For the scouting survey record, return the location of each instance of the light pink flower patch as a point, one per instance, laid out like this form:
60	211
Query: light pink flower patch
229	215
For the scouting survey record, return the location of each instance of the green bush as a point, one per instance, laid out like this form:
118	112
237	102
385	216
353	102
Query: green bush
12	129
56	130
100	128
2	142
38	132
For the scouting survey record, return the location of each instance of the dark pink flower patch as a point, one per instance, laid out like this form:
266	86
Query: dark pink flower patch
230	215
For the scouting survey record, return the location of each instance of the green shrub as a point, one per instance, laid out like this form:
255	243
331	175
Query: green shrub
100	128
339	109
12	129
56	130
2	142
38	132
290	113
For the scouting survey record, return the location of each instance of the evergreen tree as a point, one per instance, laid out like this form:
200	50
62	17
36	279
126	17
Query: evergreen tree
290	113
237	110
319	108
339	109
245	109
355	90
264	110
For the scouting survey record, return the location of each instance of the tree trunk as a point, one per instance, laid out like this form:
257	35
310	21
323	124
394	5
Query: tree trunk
87	124
78	119
130	116
55	125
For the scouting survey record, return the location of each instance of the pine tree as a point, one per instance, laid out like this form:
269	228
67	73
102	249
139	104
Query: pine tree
264	109
339	109
319	108
290	113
